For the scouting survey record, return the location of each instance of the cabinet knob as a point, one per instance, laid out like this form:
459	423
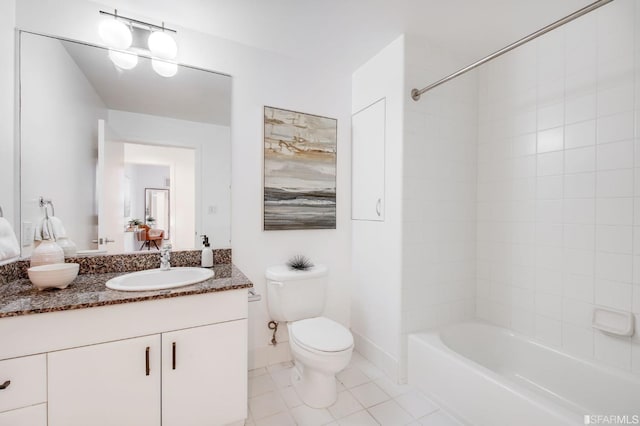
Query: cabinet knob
379	207
5	384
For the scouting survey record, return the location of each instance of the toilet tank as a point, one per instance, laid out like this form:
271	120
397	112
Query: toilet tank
293	295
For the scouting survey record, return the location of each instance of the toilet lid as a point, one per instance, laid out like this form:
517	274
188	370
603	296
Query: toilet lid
321	334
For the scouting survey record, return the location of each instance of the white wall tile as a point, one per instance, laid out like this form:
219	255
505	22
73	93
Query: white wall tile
579	287
614	211
614	267
580	160
580	134
581	211
614	239
548	330
580	185
614	351
617	155
550	163
615	127
579	236
551	115
578	340
613	294
615	183
581	107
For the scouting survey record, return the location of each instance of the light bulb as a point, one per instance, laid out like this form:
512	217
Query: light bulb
162	45
115	34
123	60
165	69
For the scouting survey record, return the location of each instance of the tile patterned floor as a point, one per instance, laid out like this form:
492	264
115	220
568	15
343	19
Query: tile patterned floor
365	397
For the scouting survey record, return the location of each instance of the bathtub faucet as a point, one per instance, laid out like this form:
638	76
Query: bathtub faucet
165	257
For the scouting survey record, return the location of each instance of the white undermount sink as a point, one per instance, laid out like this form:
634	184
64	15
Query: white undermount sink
157	279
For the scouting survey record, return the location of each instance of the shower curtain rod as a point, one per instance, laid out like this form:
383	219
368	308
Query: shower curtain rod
415	93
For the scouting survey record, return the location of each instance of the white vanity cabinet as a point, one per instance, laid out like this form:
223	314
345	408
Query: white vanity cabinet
174	361
116	383
23	390
214	358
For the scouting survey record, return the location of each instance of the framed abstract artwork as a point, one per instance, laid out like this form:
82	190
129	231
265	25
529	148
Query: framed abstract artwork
299	170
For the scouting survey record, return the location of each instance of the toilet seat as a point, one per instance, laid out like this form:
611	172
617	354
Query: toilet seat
321	334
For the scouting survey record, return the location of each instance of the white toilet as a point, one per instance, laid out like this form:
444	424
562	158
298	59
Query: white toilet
320	347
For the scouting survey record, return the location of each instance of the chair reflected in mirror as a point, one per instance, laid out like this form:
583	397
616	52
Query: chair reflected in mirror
147	236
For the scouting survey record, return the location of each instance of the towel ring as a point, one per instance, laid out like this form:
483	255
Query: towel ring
47	203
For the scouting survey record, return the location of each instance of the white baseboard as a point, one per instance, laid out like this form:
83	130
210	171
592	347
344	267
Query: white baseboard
377	356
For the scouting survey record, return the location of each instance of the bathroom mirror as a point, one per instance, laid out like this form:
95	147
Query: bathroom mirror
93	136
156	209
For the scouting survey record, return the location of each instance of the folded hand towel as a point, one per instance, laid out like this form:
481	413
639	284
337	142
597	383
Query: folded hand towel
57	228
43	230
9	246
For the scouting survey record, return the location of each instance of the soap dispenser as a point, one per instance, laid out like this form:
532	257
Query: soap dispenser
207	253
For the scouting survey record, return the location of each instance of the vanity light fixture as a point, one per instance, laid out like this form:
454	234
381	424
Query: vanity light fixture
162	45
122	36
164	68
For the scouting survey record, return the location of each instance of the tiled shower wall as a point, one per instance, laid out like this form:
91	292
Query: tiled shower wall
439	193
558	189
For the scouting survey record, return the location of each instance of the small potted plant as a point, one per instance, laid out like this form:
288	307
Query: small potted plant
133	224
151	221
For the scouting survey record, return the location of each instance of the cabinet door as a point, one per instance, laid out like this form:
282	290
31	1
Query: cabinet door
109	384
204	375
367	161
35	415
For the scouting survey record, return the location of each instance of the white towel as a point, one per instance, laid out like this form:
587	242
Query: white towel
9	246
57	228
49	229
43	230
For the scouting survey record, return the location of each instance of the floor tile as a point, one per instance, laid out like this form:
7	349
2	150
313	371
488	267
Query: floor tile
282	378
257	372
261	384
361	418
390	414
351	377
416	404
290	397
307	416
280	419
369	394
266	405
279	366
439	418
345	404
390	388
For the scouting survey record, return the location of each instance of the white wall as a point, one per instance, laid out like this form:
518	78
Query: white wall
376	246
59	125
212	165
259	78
7	182
558	184
439	194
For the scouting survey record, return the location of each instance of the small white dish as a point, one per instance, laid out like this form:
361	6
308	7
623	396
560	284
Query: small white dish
56	275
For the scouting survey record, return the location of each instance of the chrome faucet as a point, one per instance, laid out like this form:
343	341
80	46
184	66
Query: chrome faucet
165	257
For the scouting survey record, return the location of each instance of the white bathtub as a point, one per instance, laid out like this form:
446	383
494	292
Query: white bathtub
490	376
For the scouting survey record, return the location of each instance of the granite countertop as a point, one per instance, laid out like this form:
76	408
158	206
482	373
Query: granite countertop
20	297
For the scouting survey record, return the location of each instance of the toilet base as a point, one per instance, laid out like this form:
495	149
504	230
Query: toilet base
316	389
